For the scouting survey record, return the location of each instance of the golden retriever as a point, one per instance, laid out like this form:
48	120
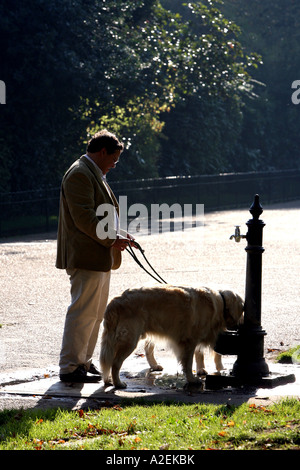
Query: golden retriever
187	317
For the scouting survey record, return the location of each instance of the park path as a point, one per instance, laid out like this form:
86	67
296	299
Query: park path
35	295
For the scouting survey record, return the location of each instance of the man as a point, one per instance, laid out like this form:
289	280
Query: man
87	258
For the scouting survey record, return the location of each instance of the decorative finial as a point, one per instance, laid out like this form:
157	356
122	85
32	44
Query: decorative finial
256	209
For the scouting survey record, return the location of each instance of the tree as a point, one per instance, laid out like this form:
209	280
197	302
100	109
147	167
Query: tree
191	57
126	65
60	60
47	68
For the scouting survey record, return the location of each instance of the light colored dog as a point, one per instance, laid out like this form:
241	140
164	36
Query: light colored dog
187	317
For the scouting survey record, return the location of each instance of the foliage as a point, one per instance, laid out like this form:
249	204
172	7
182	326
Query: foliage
154	427
125	65
200	136
178	82
192	65
46	66
290	356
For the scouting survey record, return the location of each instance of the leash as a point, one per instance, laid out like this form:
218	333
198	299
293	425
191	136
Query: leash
133	255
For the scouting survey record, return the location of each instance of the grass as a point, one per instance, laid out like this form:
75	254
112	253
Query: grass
290	356
140	426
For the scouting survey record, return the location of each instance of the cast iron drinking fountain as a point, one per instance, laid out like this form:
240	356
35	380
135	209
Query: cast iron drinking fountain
247	342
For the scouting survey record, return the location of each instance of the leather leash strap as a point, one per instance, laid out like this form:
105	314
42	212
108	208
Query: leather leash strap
131	252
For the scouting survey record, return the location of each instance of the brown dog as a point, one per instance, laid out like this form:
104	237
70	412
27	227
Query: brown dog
187	317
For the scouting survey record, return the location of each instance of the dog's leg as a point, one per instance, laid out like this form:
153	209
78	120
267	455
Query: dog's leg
218	361
149	351
199	357
123	351
186	355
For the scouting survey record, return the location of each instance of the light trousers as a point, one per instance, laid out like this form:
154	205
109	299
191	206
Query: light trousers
89	296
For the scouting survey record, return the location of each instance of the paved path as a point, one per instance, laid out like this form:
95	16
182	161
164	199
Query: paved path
35	295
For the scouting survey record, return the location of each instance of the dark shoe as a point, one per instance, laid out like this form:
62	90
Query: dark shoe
79	376
93	370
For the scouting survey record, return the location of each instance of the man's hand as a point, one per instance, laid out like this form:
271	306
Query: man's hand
122	243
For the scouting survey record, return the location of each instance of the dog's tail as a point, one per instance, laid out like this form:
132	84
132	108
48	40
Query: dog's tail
108	341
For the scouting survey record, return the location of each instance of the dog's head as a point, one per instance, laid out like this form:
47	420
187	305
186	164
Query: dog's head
233	308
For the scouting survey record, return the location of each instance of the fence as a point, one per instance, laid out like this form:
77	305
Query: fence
29	212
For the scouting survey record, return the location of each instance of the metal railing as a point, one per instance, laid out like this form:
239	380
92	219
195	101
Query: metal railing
29	212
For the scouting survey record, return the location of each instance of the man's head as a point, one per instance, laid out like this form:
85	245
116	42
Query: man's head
105	139
105	149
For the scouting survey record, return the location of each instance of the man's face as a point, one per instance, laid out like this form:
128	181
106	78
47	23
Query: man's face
109	160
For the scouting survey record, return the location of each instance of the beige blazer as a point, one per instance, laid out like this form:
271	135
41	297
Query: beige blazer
78	245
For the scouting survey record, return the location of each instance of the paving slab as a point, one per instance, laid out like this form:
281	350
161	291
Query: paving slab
44	390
